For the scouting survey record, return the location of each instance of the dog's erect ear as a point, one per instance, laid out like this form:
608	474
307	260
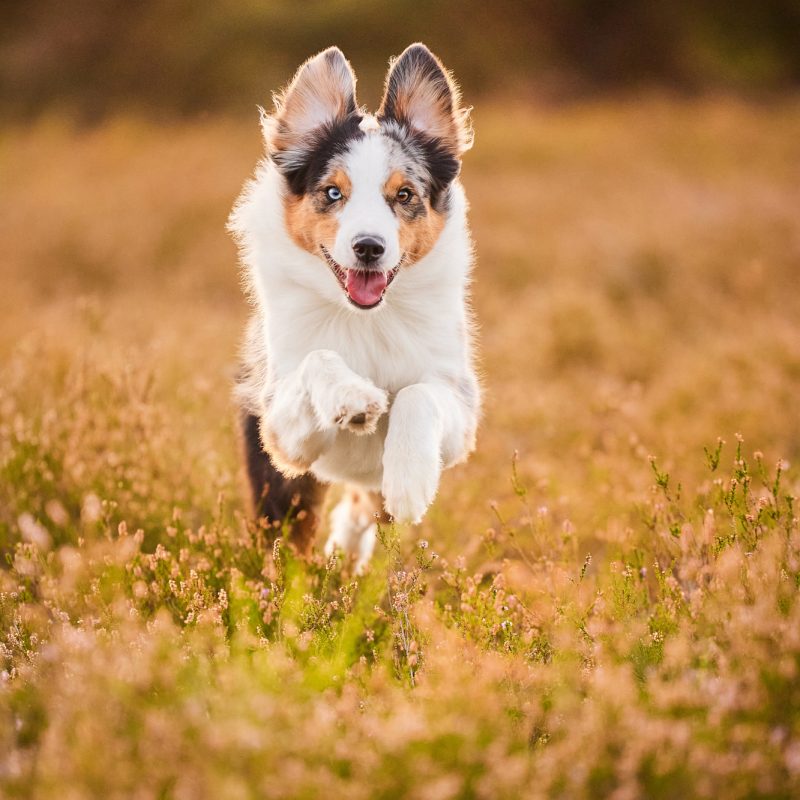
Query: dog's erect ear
321	94
421	94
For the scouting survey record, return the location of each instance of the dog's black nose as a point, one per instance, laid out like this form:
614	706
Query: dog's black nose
368	248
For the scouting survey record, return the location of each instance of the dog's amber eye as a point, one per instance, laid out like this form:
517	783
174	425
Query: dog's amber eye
404	195
333	193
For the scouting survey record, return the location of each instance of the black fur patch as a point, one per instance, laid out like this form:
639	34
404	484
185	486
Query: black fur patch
274	496
440	162
442	165
304	166
416	67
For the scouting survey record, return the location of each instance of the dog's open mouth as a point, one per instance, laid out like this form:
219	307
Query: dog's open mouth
364	288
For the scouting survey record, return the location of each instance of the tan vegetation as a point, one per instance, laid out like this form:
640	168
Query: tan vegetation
588	622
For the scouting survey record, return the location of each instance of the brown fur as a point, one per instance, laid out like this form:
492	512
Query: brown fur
307	522
306	219
369	503
308	226
420	223
418	236
341	180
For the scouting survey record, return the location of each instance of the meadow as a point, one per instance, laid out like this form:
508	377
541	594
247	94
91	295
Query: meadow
602	603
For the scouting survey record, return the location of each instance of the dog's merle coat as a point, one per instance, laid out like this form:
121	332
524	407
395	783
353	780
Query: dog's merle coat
357	372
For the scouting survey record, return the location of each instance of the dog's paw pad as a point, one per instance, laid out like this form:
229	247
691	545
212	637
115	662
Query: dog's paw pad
361	408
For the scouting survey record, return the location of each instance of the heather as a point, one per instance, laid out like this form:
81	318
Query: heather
602	603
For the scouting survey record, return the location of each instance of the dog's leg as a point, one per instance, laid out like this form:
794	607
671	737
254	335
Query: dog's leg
301	416
290	429
341	399
431	426
277	497
354	525
304	411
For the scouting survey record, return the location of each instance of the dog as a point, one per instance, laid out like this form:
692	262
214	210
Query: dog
358	365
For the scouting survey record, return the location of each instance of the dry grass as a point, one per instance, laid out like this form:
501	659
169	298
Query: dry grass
593	626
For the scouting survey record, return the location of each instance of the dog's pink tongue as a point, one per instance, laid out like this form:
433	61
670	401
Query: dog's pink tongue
365	288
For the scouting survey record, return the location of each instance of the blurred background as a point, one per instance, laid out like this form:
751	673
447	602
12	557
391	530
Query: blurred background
175	57
635	203
635	187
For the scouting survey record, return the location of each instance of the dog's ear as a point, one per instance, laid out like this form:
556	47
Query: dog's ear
421	94
321	94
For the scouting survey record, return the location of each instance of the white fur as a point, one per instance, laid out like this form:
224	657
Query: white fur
353	530
328	361
366	213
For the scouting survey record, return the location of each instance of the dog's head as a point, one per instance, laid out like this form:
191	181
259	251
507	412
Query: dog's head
367	195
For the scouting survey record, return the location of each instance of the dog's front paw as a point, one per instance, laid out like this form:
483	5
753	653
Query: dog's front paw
409	485
355	405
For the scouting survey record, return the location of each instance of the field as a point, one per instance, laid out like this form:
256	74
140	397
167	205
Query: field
602	603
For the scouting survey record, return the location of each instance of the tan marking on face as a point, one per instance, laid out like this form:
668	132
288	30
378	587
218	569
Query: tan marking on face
310	226
341	179
396	181
417	235
307	225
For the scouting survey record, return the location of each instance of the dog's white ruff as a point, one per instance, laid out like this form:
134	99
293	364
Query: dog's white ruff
328	361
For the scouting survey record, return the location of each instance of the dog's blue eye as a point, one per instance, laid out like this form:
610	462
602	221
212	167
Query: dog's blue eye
333	193
404	195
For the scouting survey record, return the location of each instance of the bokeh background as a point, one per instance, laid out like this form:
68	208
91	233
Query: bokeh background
634	186
175	58
635	202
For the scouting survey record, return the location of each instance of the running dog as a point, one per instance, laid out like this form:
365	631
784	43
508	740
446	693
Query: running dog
358	363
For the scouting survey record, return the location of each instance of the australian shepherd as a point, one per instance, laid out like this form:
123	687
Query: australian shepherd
358	365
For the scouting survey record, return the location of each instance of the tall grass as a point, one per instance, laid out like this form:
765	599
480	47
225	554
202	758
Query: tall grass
609	612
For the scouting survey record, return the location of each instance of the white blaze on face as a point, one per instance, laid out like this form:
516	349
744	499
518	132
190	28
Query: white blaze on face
366	212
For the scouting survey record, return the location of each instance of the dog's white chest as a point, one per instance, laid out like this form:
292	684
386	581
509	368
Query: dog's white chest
353	459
